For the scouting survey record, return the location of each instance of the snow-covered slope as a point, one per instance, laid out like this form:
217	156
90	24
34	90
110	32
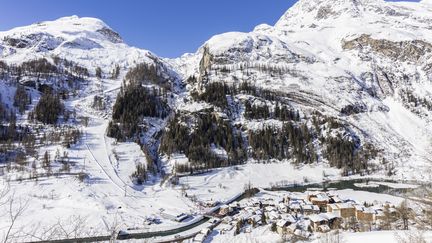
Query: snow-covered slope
87	41
344	53
361	68
107	191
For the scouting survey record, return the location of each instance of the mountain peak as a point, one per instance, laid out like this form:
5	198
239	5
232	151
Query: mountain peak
66	29
336	3
311	11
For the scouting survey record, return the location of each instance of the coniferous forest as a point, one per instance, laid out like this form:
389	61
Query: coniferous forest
202	134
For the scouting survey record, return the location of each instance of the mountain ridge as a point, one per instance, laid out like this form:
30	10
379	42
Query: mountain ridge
352	75
365	62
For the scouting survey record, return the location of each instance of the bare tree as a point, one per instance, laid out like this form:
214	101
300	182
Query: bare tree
248	190
404	213
416	236
422	220
388	220
71	228
424	203
332	237
12	208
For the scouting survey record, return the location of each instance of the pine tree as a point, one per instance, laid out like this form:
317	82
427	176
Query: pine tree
140	174
49	108
46	163
98	72
21	98
115	72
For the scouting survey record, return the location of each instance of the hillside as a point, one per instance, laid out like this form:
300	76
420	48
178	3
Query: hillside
96	132
362	64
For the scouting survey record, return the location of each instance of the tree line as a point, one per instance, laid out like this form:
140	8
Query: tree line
132	105
197	143
279	112
145	73
61	75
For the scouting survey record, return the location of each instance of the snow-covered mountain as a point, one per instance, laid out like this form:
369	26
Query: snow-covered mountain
83	61
363	63
343	84
370	57
87	41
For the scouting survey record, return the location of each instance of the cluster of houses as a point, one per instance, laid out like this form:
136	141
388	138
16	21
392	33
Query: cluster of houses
301	214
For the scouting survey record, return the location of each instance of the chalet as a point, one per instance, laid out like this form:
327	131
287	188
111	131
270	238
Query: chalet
282	207
335	199
379	216
334	220
301	233
292	228
174	217
344	210
224	228
205	231
321	200
268	202
181	217
224	210
282	224
331	220
293	198
289	218
227	219
317	220
332	208
270	209
244	215
295	208
199	238
251	210
273	215
309	209
215	221
255	220
254	203
364	215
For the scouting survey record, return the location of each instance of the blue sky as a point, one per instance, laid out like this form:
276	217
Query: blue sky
169	28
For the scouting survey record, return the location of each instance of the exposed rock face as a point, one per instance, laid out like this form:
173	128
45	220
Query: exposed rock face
110	35
206	61
411	51
325	12
40	41
82	43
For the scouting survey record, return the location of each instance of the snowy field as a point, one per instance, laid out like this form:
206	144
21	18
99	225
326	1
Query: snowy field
265	235
382	236
106	198
222	184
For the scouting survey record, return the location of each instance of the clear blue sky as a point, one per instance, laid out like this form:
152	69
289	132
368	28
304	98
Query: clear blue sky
168	28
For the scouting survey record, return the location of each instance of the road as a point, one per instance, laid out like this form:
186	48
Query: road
155	234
